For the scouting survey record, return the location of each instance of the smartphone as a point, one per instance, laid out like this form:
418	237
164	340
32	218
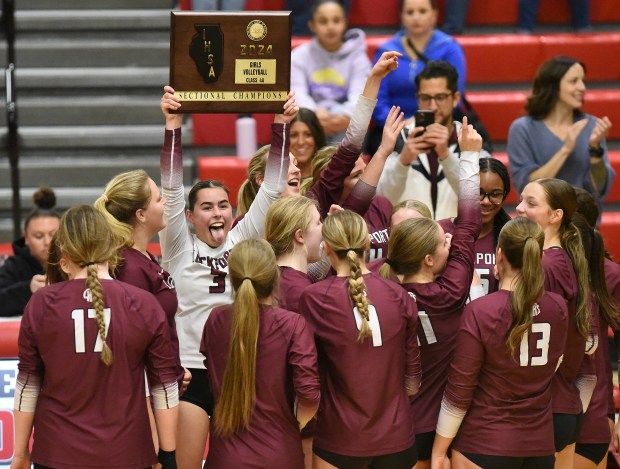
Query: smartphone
424	118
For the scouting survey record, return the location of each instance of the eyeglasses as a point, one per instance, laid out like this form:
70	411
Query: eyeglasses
425	99
495	197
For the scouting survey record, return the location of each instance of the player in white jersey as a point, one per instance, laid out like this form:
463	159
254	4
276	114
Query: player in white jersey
198	261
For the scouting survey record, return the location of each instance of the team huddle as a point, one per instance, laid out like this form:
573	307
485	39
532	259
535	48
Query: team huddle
322	327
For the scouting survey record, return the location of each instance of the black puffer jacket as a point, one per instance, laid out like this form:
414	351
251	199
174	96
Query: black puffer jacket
15	277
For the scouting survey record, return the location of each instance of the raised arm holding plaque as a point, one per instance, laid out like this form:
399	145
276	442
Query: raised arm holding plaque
231	62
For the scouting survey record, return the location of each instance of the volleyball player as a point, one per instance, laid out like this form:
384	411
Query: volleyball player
497	401
551	203
365	330
593	442
262	365
437	272
199	262
494	188
84	344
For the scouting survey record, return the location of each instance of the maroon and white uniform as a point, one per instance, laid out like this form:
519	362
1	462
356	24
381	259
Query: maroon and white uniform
146	273
364	408
291	285
595	423
612	278
484	262
378	221
504	400
89	415
286	370
560	278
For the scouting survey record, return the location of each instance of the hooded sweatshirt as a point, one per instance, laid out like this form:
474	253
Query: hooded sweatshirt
330	80
15	276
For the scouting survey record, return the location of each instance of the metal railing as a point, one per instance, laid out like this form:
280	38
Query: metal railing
12	140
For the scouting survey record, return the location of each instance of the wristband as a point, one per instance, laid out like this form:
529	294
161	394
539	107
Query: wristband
596	152
167	459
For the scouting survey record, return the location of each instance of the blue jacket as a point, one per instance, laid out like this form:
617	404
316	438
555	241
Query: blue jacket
398	88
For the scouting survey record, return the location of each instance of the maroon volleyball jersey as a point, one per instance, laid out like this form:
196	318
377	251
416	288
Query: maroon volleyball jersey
292	284
440	305
560	278
286	369
90	415
484	262
378	221
595	424
506	397
364	409
146	273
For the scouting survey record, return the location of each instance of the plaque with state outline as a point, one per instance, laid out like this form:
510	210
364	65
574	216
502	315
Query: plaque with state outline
230	62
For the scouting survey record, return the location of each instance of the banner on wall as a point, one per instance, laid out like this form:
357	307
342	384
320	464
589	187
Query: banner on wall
8	375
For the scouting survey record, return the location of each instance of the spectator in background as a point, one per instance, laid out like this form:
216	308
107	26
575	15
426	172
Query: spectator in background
455	15
556	139
425	164
301	14
579	12
329	72
307	136
419	42
23	273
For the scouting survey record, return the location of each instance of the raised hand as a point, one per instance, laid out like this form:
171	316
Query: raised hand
386	63
391	130
170	102
469	138
290	110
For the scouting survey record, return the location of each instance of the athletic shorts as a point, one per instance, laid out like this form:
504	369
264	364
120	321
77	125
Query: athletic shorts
402	460
424	442
511	462
199	390
566	428
595	452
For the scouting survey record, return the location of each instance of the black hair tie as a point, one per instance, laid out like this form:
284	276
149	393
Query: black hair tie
390	262
89	263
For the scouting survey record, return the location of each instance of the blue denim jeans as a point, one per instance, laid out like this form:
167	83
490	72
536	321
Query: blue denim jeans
579	11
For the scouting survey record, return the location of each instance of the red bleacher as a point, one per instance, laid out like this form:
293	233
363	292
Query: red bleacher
490	59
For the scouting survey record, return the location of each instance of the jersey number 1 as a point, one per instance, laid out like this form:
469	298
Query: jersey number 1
78	324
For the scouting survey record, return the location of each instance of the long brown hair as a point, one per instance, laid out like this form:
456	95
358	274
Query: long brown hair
253	273
85	238
346	233
521	241
561	195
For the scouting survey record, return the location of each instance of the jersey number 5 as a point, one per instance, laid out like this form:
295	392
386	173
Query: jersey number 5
373	322
542	344
78	324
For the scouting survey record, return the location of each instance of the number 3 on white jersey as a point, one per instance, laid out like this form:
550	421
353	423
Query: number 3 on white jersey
542	344
78	324
373	322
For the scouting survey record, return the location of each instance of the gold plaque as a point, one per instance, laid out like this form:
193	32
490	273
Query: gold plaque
235	62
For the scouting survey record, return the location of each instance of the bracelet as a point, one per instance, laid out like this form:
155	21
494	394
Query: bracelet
597	152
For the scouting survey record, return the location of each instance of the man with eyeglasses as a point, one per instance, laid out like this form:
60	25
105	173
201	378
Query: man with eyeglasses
424	165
